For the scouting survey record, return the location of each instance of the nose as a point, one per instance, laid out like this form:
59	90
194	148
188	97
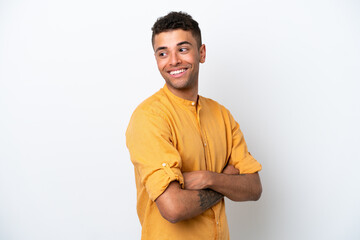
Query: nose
174	59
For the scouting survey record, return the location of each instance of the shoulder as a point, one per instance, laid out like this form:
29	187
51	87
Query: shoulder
154	105
213	105
219	112
152	112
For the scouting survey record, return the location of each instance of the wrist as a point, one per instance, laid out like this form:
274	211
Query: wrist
210	179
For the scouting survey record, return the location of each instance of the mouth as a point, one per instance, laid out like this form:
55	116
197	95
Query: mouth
178	72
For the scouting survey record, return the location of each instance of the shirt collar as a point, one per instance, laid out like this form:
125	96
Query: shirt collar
182	101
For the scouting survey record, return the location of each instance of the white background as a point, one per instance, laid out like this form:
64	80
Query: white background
72	72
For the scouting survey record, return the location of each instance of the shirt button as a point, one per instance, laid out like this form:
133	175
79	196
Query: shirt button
205	144
193	103
217	222
164	164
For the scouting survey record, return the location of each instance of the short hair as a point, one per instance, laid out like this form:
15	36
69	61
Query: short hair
177	20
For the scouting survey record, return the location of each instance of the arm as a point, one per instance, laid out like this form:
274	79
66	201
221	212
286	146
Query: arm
243	187
237	187
176	204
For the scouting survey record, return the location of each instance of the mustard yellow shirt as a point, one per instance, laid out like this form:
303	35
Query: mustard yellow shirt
168	135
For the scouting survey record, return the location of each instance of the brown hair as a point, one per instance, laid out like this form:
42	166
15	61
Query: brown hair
177	20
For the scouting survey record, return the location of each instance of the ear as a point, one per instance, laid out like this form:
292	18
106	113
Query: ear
202	53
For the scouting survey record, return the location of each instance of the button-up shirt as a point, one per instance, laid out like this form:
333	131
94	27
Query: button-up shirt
168	135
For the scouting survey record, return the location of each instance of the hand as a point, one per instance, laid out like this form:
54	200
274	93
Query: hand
230	169
196	180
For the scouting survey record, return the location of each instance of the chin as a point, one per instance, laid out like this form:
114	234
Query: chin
181	86
178	84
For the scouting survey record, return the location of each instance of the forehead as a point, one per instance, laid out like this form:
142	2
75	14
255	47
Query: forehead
172	38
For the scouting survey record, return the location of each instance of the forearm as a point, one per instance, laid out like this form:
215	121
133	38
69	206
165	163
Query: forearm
177	204
241	187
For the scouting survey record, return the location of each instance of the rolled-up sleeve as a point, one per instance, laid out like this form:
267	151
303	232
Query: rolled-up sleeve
240	156
157	161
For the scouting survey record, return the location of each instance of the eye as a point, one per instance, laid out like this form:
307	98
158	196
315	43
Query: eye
183	49
162	54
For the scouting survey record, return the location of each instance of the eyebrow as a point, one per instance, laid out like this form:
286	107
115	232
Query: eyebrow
179	44
183	42
160	48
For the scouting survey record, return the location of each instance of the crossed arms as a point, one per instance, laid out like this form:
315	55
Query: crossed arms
203	189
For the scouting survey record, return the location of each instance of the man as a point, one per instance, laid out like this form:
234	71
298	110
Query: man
188	152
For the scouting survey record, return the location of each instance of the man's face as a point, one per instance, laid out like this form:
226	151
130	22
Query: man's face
178	57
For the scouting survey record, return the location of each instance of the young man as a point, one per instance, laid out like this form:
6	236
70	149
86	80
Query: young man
188	151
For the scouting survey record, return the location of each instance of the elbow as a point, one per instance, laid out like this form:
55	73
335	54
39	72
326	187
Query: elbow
173	219
256	188
257	193
256	196
171	210
169	204
171	213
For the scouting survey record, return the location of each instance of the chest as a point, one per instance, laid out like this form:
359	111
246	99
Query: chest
202	140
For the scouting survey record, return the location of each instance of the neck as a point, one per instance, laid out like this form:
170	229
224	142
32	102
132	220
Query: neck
190	94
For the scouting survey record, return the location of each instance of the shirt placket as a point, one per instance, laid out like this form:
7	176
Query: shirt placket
203	139
209	167
216	210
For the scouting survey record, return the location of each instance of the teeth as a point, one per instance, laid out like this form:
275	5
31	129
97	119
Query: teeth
177	71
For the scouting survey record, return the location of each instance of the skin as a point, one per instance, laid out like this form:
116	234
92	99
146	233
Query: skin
237	187
177	52
176	204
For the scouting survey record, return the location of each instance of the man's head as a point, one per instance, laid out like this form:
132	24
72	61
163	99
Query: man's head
178	52
177	20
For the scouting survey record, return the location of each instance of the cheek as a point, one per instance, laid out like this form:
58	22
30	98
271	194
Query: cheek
161	64
191	59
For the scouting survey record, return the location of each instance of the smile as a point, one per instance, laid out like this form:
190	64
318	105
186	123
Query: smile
176	72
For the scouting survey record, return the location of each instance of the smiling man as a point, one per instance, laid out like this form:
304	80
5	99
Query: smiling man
180	70
188	151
